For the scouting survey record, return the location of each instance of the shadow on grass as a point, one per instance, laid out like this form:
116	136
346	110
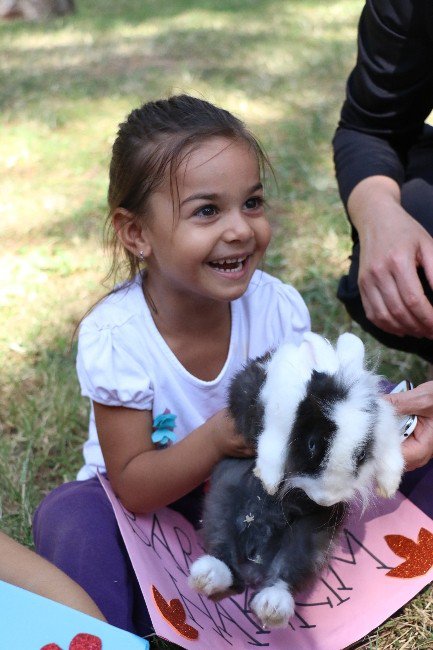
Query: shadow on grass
100	15
47	84
108	64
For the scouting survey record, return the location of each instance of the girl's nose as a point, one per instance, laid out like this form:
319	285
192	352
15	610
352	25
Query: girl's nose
238	227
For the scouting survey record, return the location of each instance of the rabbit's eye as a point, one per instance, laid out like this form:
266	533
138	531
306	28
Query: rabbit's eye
363	453
312	446
360	457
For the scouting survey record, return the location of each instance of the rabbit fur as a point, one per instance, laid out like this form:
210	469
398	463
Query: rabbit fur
323	436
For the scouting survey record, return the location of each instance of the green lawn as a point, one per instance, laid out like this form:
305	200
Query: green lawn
64	86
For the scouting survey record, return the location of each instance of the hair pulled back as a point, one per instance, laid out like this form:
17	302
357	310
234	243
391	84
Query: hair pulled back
150	144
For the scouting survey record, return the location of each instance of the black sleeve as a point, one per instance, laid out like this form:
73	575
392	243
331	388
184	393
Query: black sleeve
389	93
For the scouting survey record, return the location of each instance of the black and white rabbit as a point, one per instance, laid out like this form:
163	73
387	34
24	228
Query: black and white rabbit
323	435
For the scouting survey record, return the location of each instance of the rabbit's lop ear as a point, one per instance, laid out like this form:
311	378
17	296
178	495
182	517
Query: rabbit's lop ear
318	354
350	352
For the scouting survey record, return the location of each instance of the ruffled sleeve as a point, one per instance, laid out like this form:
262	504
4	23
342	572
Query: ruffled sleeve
109	368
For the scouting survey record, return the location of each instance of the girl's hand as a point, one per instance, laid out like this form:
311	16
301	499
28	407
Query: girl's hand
393	246
226	437
418	448
146	478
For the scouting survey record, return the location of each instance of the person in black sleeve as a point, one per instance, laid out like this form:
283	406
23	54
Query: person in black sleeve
383	152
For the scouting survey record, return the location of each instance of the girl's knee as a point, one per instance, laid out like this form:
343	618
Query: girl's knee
73	509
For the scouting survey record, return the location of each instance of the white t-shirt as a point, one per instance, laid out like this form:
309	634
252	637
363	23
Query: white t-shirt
124	361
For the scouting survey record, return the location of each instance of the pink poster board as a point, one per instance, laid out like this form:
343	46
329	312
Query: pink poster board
383	559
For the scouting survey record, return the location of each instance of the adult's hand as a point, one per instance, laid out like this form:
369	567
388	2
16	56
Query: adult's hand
418	447
392	248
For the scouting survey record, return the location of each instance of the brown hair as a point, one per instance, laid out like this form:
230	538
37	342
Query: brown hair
150	143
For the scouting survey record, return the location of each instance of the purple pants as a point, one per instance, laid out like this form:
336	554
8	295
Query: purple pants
75	528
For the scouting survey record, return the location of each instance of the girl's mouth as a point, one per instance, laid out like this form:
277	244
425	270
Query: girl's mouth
229	265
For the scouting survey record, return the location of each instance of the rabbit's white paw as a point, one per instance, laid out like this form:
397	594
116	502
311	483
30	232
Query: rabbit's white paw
389	474
209	576
274	605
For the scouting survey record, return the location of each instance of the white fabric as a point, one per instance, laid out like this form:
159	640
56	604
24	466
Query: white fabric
124	361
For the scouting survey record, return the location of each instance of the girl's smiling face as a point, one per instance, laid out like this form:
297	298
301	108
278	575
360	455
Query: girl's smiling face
206	238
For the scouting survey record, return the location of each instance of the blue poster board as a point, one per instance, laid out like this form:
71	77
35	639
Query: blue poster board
29	622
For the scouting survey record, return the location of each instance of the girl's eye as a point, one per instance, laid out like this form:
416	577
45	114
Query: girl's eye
254	203
206	211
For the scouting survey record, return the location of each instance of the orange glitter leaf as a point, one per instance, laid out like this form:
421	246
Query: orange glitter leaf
174	613
418	555
400	545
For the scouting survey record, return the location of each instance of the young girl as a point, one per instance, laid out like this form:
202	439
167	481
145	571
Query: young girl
156	356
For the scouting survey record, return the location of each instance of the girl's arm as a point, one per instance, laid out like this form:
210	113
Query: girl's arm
146	478
23	568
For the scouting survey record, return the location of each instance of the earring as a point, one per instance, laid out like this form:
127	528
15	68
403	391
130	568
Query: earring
141	256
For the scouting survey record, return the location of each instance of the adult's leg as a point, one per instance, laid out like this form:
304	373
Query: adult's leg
417	199
417	486
75	528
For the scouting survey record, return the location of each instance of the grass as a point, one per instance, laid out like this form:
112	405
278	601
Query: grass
64	87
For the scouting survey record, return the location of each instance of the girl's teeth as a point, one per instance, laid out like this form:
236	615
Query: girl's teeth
221	264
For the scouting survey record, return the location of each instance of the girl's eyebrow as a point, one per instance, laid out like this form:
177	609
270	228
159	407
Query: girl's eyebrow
213	197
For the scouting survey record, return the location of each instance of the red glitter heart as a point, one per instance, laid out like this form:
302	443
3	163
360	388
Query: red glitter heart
51	646
418	555
85	642
174	613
